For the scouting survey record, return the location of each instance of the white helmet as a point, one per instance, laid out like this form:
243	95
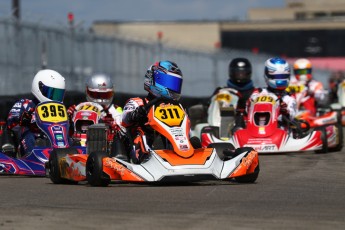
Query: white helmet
100	89
48	85
277	73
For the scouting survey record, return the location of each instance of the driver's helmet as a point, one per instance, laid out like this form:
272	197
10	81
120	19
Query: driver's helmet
240	71
100	89
302	69
48	85
277	73
164	79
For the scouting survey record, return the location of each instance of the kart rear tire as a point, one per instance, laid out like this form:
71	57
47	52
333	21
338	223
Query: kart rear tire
54	167
94	169
324	141
220	147
195	142
250	178
340	145
214	130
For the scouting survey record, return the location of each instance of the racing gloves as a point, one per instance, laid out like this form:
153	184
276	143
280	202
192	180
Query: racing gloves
26	117
139	115
108	119
70	111
284	109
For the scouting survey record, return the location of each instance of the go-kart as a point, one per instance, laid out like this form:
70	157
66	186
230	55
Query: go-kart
91	133
266	134
220	113
317	117
51	118
172	156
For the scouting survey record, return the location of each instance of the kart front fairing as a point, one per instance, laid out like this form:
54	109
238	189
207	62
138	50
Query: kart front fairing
159	167
31	164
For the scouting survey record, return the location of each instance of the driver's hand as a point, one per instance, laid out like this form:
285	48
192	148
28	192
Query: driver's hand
108	119
25	119
140	115
70	111
284	108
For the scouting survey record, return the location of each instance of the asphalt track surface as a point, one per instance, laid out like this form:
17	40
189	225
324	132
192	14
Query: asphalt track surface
294	191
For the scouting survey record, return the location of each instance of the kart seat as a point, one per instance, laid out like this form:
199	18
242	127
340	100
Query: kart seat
262	118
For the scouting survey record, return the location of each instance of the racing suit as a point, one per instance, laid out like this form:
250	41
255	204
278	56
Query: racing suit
21	120
134	118
307	94
287	102
243	92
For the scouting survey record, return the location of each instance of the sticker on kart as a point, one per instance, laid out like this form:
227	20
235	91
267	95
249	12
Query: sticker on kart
52	112
265	99
171	115
259	148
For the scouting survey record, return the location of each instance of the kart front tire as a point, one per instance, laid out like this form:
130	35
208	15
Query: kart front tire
54	165
94	169
250	178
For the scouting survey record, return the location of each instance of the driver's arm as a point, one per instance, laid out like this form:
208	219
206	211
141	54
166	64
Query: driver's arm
291	106
133	112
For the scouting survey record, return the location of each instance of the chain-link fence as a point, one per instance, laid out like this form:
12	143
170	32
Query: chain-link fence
25	48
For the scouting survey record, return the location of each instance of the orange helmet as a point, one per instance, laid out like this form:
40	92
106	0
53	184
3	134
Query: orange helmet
302	69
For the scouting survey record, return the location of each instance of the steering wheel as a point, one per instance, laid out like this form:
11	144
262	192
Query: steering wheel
158	100
301	127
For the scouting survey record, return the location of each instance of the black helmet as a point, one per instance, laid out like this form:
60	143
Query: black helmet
240	70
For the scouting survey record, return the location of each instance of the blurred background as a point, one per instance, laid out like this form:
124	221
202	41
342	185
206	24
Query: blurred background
123	37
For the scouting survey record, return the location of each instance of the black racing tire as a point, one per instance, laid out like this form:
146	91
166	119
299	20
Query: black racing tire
324	148
54	165
220	147
195	142
94	169
214	130
250	178
340	144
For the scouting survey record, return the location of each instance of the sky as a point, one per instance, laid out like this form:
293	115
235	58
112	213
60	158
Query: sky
87	11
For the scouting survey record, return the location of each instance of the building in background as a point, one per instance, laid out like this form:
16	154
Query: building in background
304	28
301	10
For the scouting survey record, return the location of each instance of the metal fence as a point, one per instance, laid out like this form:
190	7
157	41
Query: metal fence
25	48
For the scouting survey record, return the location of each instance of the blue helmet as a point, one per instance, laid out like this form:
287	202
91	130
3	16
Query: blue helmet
277	73
164	79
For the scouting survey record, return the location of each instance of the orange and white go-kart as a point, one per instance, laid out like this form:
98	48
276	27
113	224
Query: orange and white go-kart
172	157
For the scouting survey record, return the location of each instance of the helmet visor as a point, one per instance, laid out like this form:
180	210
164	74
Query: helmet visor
240	76
52	93
171	82
302	71
279	76
282	83
104	95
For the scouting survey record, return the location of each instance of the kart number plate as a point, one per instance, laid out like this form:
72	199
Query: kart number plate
265	98
295	88
171	115
90	108
52	112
